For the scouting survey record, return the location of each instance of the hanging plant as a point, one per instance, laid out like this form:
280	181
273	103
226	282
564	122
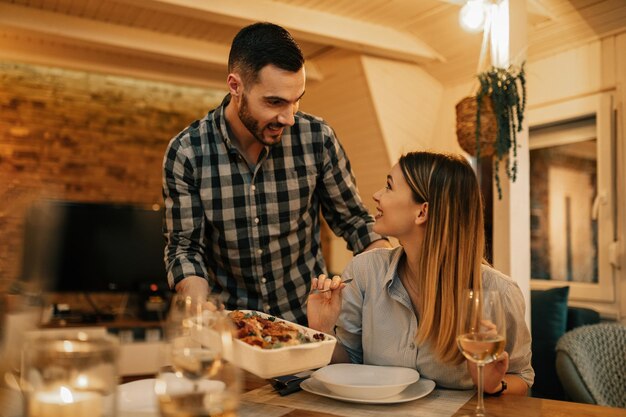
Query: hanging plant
488	123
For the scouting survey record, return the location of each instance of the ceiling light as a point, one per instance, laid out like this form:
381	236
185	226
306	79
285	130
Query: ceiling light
472	16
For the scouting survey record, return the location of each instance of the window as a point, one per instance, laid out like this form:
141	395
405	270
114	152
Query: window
572	197
564	225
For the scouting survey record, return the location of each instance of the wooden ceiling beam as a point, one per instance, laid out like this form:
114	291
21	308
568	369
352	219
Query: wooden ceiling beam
121	38
24	46
305	24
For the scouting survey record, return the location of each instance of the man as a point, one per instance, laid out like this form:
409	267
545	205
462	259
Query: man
243	187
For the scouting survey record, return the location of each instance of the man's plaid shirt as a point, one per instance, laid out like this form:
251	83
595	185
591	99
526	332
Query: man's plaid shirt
255	234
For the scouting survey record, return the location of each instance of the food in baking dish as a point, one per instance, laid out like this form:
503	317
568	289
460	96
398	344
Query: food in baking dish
268	332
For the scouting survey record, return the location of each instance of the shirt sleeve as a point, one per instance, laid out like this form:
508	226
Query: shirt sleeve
184	218
349	325
342	206
517	336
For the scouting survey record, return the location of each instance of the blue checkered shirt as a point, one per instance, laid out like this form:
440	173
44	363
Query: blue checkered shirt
254	233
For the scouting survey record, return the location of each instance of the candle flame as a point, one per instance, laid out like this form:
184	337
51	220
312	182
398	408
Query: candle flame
66	395
82	381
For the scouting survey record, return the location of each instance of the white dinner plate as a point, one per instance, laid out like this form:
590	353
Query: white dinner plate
365	382
419	389
137	398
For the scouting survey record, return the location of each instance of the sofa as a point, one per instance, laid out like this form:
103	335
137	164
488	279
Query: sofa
591	364
551	318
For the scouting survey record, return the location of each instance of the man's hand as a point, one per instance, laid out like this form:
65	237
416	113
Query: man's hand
193	286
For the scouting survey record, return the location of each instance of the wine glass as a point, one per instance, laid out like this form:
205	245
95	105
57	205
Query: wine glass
481	333
199	380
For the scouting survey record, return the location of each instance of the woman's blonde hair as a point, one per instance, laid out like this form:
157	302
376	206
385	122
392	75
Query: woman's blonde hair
453	247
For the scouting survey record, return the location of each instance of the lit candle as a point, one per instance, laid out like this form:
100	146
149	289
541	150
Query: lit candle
65	403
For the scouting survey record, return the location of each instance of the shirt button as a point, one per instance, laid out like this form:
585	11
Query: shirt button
412	346
253	188
263	280
259	251
256	220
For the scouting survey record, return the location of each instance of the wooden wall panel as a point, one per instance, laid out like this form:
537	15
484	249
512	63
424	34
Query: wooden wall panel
620	131
445	127
344	100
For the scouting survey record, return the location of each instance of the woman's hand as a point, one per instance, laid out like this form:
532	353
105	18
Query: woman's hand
493	373
323	308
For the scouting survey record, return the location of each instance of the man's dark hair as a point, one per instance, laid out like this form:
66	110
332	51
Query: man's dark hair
262	44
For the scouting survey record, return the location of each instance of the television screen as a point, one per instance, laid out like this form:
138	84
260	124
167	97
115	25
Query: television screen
73	246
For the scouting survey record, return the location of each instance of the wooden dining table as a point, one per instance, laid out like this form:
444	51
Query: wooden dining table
503	406
520	406
506	405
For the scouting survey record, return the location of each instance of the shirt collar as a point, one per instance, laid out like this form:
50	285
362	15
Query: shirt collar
392	277
394	286
219	118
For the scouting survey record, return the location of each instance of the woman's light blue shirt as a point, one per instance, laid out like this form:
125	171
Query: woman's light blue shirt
377	325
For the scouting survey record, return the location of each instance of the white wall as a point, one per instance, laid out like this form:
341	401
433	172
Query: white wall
568	74
406	99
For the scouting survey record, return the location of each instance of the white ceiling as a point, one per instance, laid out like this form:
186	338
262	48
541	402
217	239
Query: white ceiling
187	40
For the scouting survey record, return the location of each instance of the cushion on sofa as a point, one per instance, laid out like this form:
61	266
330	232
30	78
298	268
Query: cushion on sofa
580	316
548	324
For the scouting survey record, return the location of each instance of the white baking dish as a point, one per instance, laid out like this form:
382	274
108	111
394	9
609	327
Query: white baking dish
270	363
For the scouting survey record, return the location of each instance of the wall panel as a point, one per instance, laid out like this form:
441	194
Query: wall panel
83	136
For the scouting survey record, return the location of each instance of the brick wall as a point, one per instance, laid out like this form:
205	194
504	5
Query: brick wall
82	136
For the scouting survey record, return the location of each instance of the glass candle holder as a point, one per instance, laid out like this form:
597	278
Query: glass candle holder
70	376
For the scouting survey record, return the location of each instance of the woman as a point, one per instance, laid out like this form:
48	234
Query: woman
400	310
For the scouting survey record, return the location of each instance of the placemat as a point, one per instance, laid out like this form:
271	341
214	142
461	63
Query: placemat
246	409
439	403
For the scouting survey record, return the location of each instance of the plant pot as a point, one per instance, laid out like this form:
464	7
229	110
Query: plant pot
466	126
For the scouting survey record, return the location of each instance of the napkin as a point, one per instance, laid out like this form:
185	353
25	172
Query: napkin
288	384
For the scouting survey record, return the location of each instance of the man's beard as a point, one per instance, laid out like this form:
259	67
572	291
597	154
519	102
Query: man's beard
253	125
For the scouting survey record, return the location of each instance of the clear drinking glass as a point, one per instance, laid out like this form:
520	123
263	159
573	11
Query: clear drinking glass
20	312
199	381
481	333
70	375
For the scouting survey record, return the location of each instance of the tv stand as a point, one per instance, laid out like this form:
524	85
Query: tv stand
62	315
141	342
